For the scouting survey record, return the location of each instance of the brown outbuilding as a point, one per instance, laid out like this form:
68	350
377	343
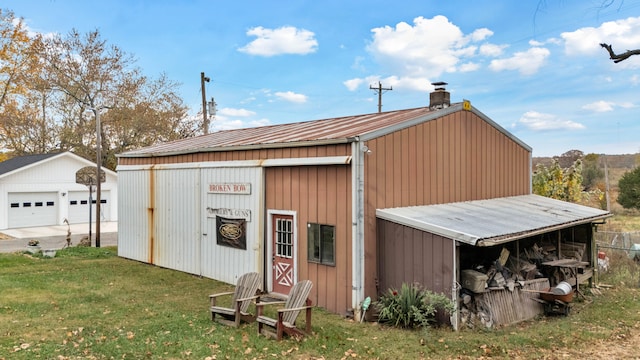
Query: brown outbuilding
355	204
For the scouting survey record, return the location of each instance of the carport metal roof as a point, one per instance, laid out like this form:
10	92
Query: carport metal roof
494	221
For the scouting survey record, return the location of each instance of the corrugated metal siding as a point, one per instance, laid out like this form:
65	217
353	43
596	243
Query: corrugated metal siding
408	255
221	262
165	218
457	157
133	207
177	224
318	194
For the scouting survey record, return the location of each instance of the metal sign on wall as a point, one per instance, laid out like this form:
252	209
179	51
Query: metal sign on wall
231	213
231	232
230	188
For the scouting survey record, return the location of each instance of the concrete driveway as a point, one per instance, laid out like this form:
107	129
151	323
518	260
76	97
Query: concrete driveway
55	237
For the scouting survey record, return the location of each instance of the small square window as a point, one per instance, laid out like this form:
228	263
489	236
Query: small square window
83	202
15	205
73	202
38	203
321	240
49	203
27	204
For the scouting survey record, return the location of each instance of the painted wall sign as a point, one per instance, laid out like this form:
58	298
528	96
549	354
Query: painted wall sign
231	232
230	188
234	213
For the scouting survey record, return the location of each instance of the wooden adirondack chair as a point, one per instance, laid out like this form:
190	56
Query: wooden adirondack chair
297	301
245	291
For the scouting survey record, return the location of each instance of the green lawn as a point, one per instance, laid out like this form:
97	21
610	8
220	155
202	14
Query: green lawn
87	303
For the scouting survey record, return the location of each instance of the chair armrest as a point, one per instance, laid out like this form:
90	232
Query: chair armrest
261	305
296	309
220	294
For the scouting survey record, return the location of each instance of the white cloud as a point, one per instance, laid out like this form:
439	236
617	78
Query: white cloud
470	66
606	106
621	34
527	62
536	121
357	63
283	40
235	112
427	48
291	96
352	84
599	106
491	49
405	82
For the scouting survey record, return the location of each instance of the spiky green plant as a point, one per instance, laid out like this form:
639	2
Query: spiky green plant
411	306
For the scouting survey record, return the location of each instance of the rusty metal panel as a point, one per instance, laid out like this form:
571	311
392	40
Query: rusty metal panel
242	201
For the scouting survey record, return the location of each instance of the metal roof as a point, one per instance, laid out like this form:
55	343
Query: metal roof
494	221
334	130
22	161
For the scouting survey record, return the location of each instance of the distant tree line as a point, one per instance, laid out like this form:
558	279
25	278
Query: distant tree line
576	177
53	87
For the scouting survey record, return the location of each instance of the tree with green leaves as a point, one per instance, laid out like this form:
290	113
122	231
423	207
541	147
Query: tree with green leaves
558	183
73	78
629	185
592	172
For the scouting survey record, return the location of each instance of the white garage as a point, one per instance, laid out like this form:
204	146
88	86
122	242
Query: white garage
32	209
41	190
79	207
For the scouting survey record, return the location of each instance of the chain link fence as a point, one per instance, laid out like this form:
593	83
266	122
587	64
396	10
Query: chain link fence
618	258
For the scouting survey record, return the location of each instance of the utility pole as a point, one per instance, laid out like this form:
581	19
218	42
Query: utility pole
98	177
205	123
379	90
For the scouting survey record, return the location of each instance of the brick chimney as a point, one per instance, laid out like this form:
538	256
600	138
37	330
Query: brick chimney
439	98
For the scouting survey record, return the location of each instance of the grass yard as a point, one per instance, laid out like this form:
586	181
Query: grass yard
87	303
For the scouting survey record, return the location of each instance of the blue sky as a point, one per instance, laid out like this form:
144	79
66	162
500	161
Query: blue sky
534	67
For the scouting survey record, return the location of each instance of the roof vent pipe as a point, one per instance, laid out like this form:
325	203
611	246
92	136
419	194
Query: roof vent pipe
439	98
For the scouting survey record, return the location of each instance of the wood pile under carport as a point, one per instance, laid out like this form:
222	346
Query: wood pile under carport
503	293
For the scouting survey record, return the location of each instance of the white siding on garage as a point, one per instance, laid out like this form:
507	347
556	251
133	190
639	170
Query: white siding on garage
134	226
176	220
221	262
32	209
79	207
166	221
161	222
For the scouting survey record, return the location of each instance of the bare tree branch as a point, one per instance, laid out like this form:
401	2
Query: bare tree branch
619	57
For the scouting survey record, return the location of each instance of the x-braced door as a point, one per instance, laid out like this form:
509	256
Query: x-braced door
282	253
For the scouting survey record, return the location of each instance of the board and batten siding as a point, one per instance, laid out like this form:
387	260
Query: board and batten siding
166	221
318	194
457	157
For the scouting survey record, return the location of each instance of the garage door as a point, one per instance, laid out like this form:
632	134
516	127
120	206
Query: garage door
33	209
79	207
